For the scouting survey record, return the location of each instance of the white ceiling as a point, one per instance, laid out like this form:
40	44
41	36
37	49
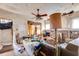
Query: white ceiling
27	8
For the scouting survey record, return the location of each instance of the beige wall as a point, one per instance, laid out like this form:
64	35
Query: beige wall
67	20
19	22
17	19
6	36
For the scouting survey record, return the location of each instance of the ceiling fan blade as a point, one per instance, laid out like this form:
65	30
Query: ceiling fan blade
71	12
68	13
43	15
33	14
64	14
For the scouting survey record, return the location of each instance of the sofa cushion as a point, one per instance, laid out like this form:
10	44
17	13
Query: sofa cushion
72	48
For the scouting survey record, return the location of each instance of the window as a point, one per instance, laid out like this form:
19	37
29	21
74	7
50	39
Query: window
46	25
75	23
38	29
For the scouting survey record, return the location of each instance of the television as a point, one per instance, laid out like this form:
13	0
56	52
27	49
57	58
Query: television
6	25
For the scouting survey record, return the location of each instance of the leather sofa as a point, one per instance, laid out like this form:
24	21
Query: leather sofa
46	51
70	50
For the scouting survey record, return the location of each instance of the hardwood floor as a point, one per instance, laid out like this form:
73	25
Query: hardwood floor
8	53
6	48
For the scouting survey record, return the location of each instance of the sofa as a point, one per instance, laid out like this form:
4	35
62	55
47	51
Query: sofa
70	50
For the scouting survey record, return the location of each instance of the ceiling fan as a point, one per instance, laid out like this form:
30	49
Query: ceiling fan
39	16
71	12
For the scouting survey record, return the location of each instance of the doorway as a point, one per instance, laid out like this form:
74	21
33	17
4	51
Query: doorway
34	28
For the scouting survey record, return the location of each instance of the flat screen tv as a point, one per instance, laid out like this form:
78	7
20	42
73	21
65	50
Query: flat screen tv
5	25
